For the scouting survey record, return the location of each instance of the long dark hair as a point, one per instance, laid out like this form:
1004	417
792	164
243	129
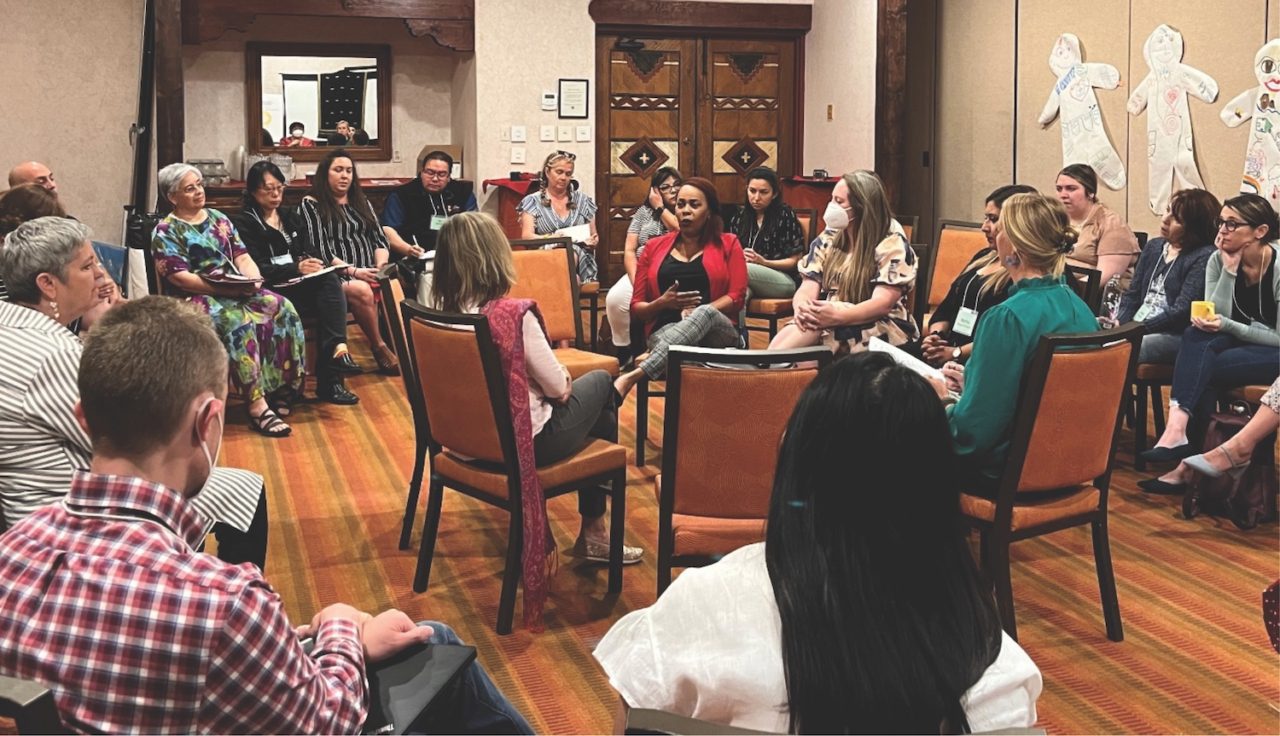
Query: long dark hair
254	180
330	210
714	227
885	623
1196	210
661	175
1256	212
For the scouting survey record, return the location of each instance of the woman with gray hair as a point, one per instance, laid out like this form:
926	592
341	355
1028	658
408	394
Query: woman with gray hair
200	256
52	271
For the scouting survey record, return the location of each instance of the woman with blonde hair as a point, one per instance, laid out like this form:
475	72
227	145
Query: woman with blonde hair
559	205
473	273
1033	238
856	275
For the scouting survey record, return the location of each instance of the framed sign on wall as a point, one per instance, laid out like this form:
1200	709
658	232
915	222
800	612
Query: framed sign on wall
573	99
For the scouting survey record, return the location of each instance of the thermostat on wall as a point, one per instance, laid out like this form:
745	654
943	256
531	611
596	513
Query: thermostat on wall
548	100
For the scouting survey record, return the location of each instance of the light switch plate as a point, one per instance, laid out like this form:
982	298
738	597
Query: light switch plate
584	133
517	154
518	134
547	133
565	133
504	133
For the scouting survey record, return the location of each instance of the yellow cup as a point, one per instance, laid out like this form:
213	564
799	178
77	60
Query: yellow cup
1202	310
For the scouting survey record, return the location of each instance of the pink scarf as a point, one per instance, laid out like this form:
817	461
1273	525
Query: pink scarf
506	324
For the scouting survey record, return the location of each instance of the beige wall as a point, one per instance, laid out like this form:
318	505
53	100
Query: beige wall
464	114
980	80
422	81
70	94
840	70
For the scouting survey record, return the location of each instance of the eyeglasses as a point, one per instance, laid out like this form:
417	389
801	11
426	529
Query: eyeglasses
1229	225
668	187
435	174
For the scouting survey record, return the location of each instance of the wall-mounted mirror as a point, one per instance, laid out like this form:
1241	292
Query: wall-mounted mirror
306	99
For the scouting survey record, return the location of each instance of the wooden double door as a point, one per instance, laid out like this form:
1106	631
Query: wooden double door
710	107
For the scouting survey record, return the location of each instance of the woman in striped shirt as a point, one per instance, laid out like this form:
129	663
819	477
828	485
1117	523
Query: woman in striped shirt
559	205
340	228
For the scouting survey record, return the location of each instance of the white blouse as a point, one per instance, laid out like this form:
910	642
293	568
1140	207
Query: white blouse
711	648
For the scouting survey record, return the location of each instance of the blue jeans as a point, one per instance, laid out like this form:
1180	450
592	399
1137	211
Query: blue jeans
479	706
1213	360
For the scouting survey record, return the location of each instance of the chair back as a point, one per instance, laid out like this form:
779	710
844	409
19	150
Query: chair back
1070	410
1142	238
924	262
724	420
1087	284
537	243
909	223
956	244
808	218
460	382
30	705
392	291
548	278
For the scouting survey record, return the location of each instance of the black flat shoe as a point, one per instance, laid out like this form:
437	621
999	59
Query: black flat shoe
346	365
1169	454
337	394
1158	487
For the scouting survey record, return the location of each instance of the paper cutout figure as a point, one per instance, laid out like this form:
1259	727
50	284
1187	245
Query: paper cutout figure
1084	139
1170	152
1262	154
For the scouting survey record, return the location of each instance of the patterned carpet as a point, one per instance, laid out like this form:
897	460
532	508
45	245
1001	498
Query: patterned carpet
1195	657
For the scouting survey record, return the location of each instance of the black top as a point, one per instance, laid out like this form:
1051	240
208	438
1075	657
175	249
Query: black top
692	277
267	245
967	291
779	237
410	207
1253	303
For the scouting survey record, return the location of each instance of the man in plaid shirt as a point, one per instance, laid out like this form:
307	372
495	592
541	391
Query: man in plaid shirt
104	599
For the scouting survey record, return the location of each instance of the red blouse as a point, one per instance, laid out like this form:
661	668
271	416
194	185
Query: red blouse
724	262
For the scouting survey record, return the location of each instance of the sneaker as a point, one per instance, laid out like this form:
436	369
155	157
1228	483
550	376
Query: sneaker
599	552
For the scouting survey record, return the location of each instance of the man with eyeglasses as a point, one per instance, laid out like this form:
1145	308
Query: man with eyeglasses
415	211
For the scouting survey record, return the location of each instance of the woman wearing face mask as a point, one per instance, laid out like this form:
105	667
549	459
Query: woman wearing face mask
771	237
297	137
690	284
340	228
1032	239
1106	243
559	205
857	275
982	284
653	218
51	269
1170	274
1240	343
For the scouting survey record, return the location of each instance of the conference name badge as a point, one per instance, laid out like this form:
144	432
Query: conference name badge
437	221
966	318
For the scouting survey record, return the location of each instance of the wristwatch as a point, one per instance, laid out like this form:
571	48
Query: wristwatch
955	354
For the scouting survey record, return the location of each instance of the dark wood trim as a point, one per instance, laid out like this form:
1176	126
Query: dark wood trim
255	50
667	17
797	84
450	23
891	95
170	102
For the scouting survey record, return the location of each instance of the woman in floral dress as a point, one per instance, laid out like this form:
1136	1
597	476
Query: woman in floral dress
201	258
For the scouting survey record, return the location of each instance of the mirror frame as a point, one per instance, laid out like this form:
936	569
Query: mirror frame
255	50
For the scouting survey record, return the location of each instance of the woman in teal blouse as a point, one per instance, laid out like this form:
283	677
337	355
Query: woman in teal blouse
1032	240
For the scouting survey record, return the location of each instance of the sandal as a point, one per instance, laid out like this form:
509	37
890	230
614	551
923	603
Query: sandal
281	401
387	363
268	424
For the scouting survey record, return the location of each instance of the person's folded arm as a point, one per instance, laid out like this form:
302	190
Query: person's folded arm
540	362
882	301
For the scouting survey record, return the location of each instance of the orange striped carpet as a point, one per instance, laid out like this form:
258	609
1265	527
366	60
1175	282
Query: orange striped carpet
1195	657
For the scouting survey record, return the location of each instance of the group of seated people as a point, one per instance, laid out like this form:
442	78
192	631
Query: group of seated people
344	134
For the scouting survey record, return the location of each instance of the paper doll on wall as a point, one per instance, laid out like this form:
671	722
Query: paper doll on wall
1170	152
1084	139
1262	153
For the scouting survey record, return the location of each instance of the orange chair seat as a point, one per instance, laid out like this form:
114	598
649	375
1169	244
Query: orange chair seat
707	535
1154	372
580	362
1035	513
597	458
769	306
591	288
1251	394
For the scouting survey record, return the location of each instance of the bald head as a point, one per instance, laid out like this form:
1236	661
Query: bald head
33	172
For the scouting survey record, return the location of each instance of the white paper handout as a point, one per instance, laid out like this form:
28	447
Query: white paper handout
1163	93
903	358
312	275
1262	154
1084	139
577	233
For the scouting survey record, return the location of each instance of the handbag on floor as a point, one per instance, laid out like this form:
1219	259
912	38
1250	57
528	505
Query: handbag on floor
1248	498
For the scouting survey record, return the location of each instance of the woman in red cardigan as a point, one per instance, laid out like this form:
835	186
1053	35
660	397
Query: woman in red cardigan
690	284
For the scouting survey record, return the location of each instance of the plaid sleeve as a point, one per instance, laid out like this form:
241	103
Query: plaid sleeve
261	681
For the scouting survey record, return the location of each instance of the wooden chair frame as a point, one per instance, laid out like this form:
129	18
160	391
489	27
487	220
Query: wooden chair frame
678	357
997	535
1087	284
30	705
414	313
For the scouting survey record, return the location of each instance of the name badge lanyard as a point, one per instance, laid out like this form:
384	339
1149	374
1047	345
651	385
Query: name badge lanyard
1145	311
966	318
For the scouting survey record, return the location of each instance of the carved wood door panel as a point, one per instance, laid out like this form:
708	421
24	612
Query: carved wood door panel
710	107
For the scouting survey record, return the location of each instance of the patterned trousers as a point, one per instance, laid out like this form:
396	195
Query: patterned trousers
705	326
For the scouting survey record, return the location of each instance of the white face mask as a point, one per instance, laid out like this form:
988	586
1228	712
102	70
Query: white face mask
211	458
836	217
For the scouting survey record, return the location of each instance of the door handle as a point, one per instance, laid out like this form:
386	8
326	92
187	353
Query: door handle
686	140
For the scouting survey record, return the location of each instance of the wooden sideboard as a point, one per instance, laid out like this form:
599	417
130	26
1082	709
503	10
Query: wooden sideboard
227	197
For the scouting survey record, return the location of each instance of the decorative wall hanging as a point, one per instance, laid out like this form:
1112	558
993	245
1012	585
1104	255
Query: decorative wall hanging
1163	93
1262	154
1084	139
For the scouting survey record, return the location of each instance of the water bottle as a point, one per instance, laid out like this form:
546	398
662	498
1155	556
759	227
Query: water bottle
1111	299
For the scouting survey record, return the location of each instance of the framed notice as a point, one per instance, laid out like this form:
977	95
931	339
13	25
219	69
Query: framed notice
573	99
